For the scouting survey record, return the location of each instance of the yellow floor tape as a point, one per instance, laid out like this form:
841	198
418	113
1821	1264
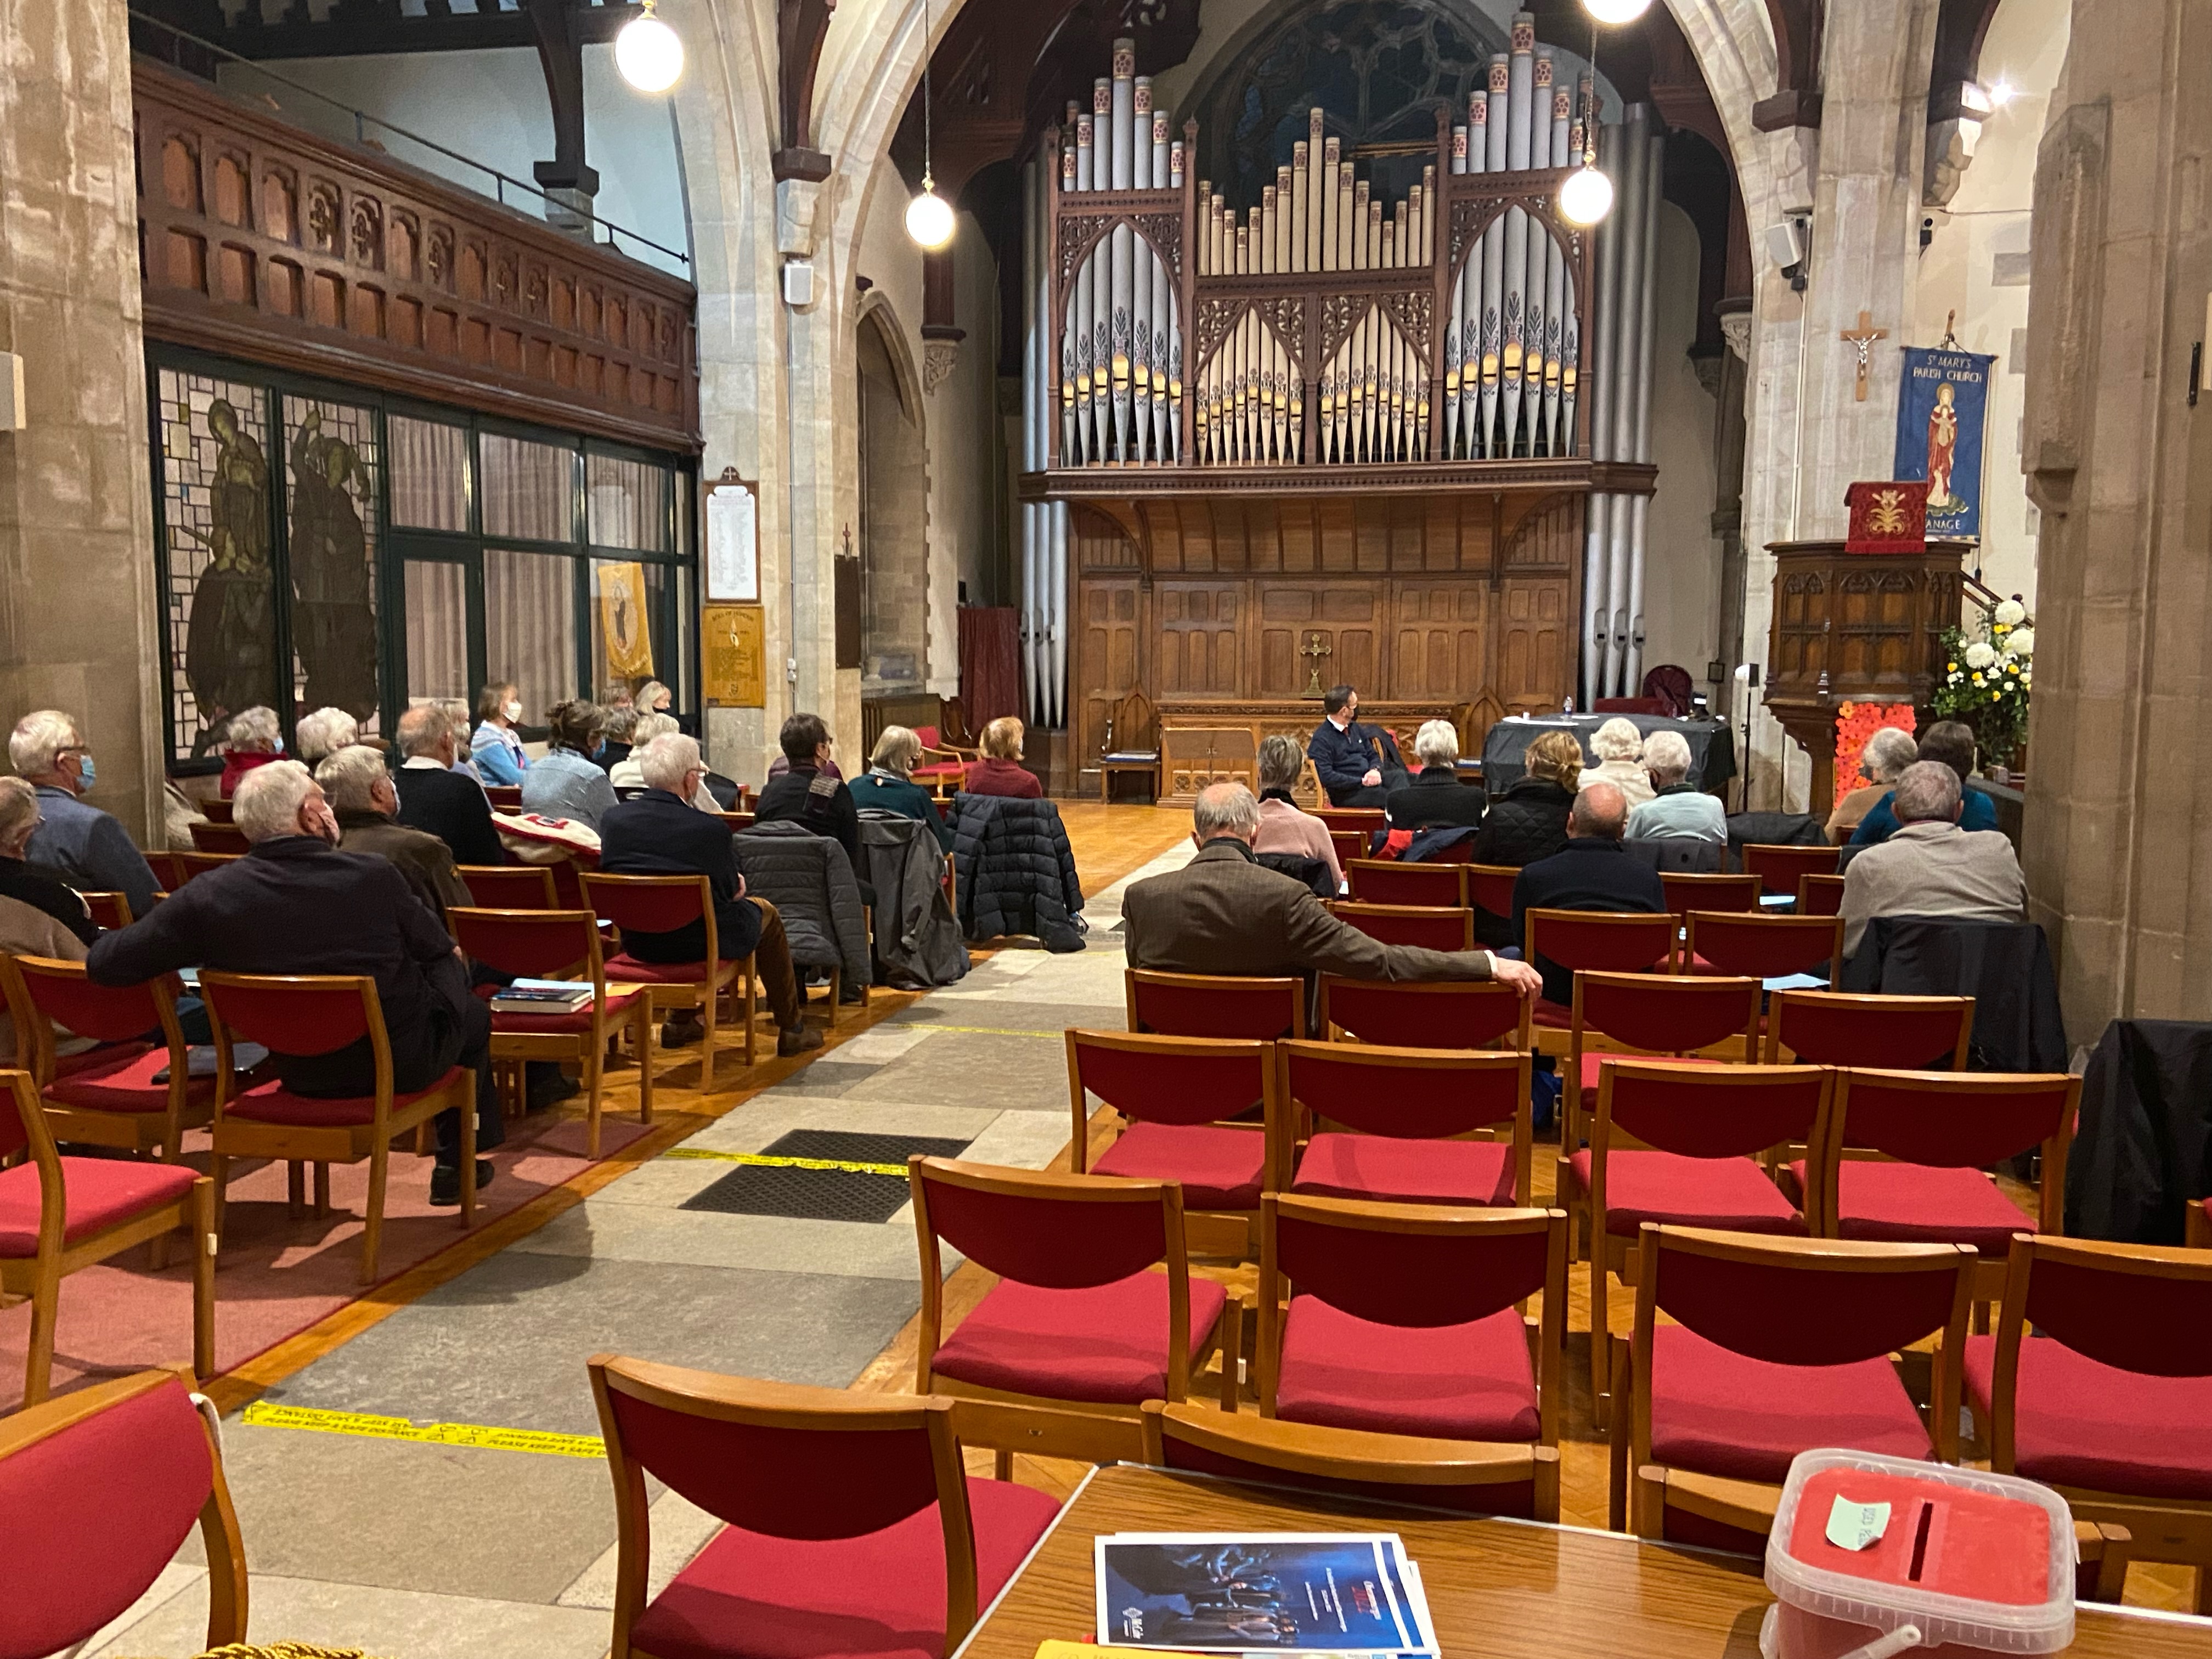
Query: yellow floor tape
262	1414
762	1160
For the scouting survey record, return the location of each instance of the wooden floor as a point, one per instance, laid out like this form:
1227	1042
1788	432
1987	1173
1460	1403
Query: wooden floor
1109	842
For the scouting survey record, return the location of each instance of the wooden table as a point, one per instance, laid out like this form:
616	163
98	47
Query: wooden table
1497	1589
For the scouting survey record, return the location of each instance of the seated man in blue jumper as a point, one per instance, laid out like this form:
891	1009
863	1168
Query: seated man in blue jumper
1360	765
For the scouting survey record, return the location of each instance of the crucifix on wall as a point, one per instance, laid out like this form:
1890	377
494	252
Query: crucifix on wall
1863	338
1315	647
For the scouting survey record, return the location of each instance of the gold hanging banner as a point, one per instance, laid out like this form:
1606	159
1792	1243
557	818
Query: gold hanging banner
733	658
623	621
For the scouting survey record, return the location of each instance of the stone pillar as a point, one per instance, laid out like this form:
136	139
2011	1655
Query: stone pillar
79	621
2117	850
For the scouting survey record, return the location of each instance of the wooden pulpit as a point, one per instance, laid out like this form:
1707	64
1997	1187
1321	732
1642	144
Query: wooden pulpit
1854	628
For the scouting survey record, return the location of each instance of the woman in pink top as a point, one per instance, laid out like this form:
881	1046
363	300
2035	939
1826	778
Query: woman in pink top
1283	827
999	772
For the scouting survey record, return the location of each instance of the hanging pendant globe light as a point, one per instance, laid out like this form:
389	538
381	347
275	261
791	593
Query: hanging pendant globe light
1617	11
929	217
649	53
1586	197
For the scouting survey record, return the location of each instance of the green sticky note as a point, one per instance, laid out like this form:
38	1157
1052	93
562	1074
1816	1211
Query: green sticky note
1855	1525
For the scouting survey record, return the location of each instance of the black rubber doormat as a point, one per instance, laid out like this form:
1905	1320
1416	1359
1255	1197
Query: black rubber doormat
823	1175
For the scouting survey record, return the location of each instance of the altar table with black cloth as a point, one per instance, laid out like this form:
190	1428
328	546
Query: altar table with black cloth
1712	752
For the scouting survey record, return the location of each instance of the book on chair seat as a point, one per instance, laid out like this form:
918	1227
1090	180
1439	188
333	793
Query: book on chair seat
542	996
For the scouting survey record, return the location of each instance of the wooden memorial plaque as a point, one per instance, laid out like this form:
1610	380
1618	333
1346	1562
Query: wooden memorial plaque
733	656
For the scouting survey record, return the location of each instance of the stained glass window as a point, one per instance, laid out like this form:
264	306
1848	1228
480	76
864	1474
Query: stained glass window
331	550
218	595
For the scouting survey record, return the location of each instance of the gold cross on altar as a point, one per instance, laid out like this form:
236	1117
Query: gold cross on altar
1315	647
1863	338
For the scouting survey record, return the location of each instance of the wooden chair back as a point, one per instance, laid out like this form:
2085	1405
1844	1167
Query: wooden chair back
510	886
1820	896
219	838
1841	1028
1779	868
1432	928
44	992
299	1014
1489	887
1164	1079
1666	1014
89	1557
214	810
1706	1112
108	911
1475	1477
780	1459
1365	819
532	944
504	796
1403	1094
1461	1013
1954	1120
1600	941
1350	844
169	870
739	821
199	864
1762	947
1385	881
1213	1004
654	904
1686	891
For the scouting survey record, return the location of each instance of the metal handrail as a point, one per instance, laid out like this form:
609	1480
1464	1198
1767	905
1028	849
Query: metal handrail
362	120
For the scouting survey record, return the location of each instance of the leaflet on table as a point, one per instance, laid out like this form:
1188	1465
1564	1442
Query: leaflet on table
1308	1593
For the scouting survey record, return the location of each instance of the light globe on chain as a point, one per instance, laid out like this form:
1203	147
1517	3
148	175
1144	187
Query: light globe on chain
929	217
649	53
1616	11
1587	195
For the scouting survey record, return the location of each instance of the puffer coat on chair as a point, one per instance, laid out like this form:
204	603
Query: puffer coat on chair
1013	870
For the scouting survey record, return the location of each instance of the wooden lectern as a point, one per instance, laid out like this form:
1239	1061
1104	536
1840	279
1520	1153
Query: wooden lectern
1854	628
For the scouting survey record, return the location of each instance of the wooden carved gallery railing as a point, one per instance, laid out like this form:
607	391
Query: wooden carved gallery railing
260	241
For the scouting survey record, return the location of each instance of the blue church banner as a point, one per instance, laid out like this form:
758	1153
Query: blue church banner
1940	414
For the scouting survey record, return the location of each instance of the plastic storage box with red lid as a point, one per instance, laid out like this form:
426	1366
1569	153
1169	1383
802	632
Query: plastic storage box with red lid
1862	1545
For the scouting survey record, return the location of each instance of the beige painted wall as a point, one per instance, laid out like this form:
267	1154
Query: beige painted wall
1682	572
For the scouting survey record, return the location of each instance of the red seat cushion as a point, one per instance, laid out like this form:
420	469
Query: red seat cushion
94	1058
1472	1381
1391	1171
99	1192
578	1024
273	1102
1908	1203
123	1082
627	968
2079	1423
750	1596
1219	1169
1729	1193
1108	1344
1717	1412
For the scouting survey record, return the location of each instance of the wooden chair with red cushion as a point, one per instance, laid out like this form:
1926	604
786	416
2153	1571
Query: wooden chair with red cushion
1686	891
1432	927
1596	941
504	796
60	1214
2110	1400
1444	1013
1907	1154
219	838
1079	1329
1364	819
1350	844
1403	1126
1383	881
108	911
663	904
1890	1034
1820	896
1779	868
307	1015
1681	1145
1401	1319
98	1491
510	886
1175	1096
2199	1225
1778	1346
558	945
1673	1014
199	864
1474	1477
214	810
739	821
850	1525
1760	947
168	870
116	1095
1213	1005
1489	887
943	765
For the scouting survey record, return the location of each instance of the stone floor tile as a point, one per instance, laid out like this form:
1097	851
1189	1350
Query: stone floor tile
391	1624
762	1121
776	1244
1013	1073
679	1530
180	1580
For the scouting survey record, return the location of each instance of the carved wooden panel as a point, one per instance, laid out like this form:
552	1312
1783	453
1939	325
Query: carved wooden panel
1108	632
1197	648
263	241
1439	639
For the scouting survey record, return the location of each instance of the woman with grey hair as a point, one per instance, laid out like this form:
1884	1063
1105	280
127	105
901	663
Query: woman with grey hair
1283	827
1679	810
254	738
1620	750
1887	754
889	785
1435	798
323	734
628	772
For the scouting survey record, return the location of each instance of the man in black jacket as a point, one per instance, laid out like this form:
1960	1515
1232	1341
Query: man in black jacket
295	904
661	833
1594	872
434	797
1358	765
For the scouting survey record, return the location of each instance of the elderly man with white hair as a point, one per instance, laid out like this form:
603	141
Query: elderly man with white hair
92	849
1678	811
367	805
439	796
1931	866
659	833
295	904
1436	798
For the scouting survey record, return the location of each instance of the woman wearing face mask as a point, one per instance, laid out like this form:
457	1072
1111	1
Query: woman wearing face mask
253	740
495	748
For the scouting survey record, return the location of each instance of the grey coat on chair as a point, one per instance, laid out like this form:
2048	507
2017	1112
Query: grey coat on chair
810	882
917	940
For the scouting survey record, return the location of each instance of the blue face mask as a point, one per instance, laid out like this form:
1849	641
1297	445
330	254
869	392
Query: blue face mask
87	774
